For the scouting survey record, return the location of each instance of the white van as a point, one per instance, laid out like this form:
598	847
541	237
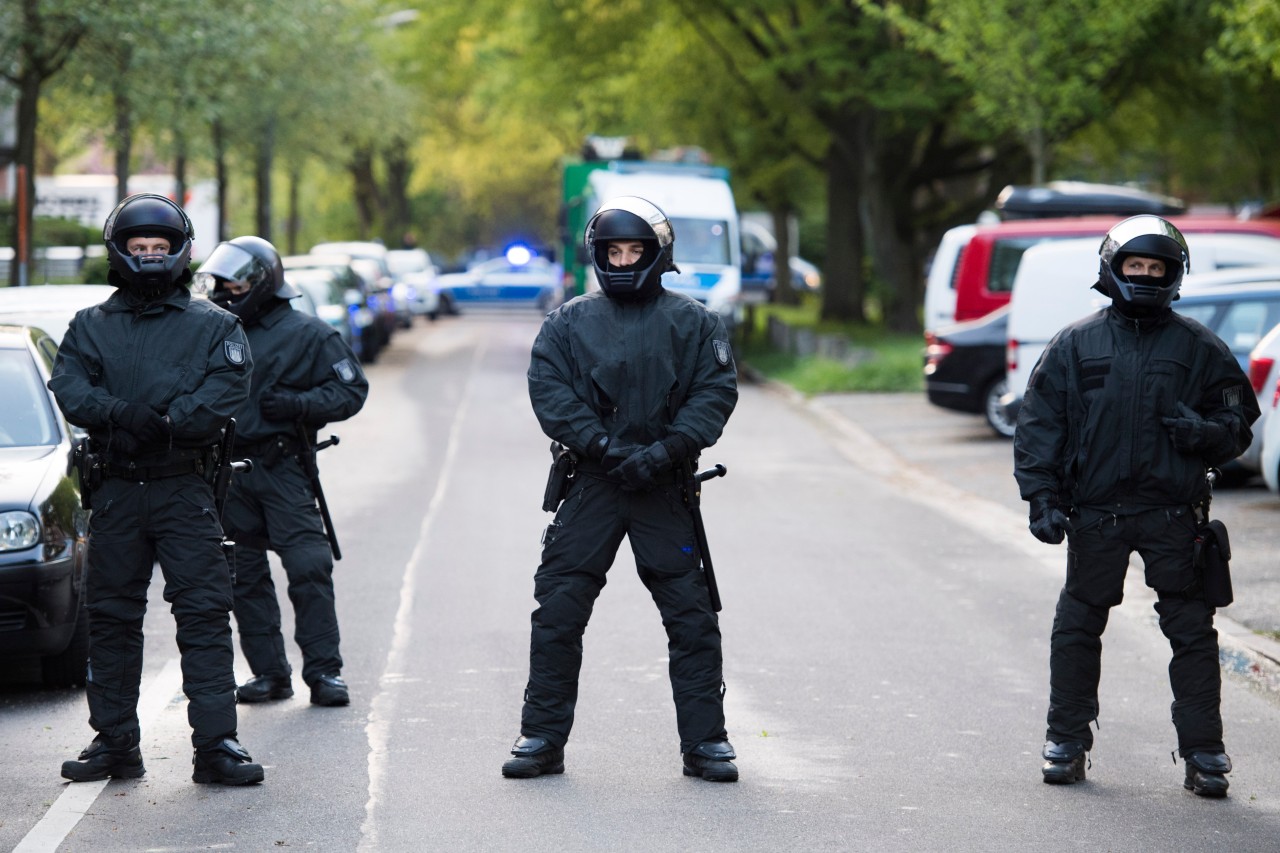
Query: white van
940	285
1053	288
705	219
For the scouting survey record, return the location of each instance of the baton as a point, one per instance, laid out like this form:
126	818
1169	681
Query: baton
308	460
693	498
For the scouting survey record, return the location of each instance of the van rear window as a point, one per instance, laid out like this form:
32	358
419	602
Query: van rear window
1006	254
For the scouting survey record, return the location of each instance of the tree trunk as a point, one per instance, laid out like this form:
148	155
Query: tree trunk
783	290
845	287
25	155
366	191
180	168
293	220
123	141
399	217
220	174
262	178
888	218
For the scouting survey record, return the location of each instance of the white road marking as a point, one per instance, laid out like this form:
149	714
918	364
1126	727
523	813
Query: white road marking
378	728
78	797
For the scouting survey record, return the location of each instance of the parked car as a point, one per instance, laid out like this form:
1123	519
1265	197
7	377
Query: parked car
370	331
49	307
535	282
326	293
964	368
974	268
1269	459
44	531
1264	371
415	274
1052	289
370	260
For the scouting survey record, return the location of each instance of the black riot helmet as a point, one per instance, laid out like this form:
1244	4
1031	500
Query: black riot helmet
631	219
253	261
148	215
1145	236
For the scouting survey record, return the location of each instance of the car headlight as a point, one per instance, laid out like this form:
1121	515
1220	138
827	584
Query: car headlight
18	529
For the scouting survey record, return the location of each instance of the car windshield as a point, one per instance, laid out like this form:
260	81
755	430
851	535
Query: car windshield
26	418
701	241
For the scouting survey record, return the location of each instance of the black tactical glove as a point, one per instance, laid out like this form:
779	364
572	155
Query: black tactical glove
279	405
615	452
1048	522
679	447
123	442
641	469
1192	433
143	423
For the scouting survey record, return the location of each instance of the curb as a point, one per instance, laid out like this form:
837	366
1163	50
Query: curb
1242	651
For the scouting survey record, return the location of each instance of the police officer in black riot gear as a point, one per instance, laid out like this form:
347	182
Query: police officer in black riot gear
1124	412
304	377
635	381
153	375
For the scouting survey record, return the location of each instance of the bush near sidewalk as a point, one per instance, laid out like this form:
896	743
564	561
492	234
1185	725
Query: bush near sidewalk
788	344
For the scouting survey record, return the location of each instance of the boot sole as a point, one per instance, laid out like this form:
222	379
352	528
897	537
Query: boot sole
711	777
533	772
1204	791
204	778
114	773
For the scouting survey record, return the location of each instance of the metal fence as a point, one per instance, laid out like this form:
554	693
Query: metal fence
62	264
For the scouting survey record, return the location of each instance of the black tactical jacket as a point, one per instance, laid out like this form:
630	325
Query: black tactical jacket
302	355
185	357
1090	428
636	371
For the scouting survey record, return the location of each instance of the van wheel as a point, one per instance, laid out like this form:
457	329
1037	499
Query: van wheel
70	667
993	411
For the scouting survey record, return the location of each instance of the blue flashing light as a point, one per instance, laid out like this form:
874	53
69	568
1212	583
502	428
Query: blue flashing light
518	254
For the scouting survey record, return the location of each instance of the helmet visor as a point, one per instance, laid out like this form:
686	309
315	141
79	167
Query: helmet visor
231	263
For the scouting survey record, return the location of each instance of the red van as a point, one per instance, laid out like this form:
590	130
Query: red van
981	279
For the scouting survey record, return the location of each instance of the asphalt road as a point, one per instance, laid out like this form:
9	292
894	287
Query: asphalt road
886	630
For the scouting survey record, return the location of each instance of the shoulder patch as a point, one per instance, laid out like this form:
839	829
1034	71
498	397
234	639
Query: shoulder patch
235	352
1231	397
346	370
723	353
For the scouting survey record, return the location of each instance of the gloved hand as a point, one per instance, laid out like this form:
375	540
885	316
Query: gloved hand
617	451
597	448
145	425
277	405
1192	433
1048	522
123	442
640	470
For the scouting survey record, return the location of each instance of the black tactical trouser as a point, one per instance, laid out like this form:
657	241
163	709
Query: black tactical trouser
133	525
1098	557
578	550
274	507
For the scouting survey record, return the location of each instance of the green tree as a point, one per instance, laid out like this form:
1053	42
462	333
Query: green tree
36	39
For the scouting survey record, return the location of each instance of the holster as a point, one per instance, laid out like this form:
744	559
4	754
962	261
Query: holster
91	466
1213	561
563	468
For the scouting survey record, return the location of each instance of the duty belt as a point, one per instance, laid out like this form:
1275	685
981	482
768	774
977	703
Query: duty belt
147	473
278	446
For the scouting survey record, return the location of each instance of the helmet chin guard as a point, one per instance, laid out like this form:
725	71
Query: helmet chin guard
148	215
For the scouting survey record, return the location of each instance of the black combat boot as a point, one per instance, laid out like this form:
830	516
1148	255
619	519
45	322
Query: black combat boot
263	688
1206	773
330	691
1063	762
712	761
534	756
107	757
225	763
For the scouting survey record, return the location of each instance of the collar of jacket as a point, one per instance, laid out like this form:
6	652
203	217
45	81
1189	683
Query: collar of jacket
179	298
272	314
1143	323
